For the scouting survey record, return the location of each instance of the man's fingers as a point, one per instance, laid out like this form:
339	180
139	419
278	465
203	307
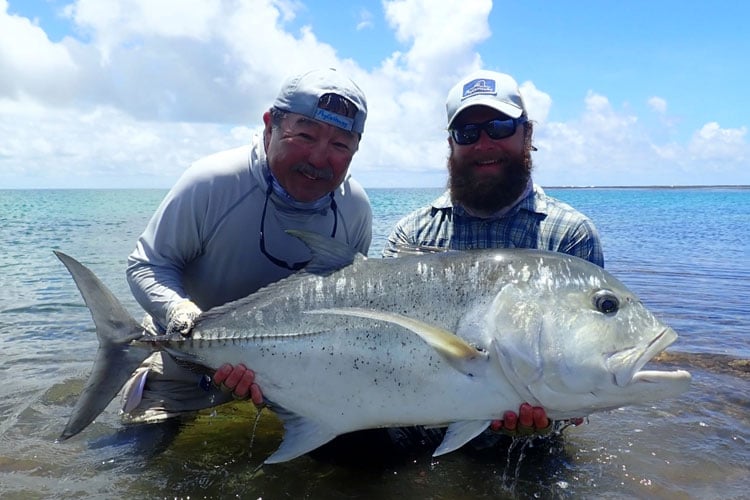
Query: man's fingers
234	378
228	377
256	395
540	418
510	421
240	381
222	373
243	386
526	415
181	317
530	420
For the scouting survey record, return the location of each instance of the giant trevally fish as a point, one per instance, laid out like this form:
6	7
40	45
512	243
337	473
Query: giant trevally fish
442	339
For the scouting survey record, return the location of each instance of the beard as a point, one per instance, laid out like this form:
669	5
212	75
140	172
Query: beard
488	194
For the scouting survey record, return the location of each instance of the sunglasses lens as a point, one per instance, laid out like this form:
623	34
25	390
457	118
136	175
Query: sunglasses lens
495	129
500	129
468	134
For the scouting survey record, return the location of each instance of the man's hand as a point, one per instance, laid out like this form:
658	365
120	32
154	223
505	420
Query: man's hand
530	421
239	381
182	316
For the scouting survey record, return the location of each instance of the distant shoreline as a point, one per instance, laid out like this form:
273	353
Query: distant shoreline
696	186
656	186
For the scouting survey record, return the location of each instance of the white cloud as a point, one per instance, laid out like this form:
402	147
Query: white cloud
610	147
658	104
712	143
141	89
67	148
603	147
537	103
131	22
406	94
29	63
364	21
433	42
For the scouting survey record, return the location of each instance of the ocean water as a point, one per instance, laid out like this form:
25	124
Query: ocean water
683	251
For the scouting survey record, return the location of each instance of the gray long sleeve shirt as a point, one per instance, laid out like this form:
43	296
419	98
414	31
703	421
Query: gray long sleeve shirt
203	241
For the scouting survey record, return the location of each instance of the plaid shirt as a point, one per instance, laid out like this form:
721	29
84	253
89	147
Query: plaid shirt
537	221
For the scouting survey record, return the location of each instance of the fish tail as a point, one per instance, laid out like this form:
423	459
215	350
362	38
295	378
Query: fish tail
115	359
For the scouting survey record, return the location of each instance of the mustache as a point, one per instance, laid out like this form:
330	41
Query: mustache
325	174
498	157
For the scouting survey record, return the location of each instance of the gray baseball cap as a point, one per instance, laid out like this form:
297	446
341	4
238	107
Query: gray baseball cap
485	88
305	94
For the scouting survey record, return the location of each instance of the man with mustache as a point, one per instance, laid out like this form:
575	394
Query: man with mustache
491	201
219	234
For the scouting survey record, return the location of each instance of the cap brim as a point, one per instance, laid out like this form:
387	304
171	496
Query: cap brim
505	108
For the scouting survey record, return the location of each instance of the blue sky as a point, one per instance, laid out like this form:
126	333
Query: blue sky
127	93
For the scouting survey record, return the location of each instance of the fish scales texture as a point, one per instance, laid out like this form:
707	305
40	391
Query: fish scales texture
356	351
335	355
405	289
453	338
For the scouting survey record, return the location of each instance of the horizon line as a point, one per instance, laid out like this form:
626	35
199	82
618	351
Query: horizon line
569	186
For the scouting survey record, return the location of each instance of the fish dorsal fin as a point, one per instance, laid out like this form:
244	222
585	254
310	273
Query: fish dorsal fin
328	254
460	354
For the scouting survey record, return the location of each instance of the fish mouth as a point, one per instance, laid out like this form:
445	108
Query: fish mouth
626	365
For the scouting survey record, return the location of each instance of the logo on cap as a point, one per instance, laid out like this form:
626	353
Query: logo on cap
479	86
334	119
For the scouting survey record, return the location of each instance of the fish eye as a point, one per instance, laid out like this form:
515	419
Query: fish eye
606	302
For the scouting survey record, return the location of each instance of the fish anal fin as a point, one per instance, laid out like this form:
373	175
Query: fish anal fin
301	435
460	433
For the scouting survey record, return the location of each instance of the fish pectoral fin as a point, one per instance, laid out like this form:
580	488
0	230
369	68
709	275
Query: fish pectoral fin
459	353
301	435
132	393
460	433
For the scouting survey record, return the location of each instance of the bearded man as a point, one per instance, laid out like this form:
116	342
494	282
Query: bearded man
491	201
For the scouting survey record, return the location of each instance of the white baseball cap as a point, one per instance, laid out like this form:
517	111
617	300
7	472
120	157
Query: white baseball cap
485	88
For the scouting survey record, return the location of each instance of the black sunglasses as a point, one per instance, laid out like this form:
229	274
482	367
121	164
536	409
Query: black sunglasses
495	129
294	266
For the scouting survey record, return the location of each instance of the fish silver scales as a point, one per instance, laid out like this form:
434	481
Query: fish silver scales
452	338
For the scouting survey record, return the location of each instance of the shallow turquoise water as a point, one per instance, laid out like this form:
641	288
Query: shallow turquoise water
684	251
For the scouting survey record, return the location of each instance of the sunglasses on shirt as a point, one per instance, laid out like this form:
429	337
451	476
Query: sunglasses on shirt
495	129
292	266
